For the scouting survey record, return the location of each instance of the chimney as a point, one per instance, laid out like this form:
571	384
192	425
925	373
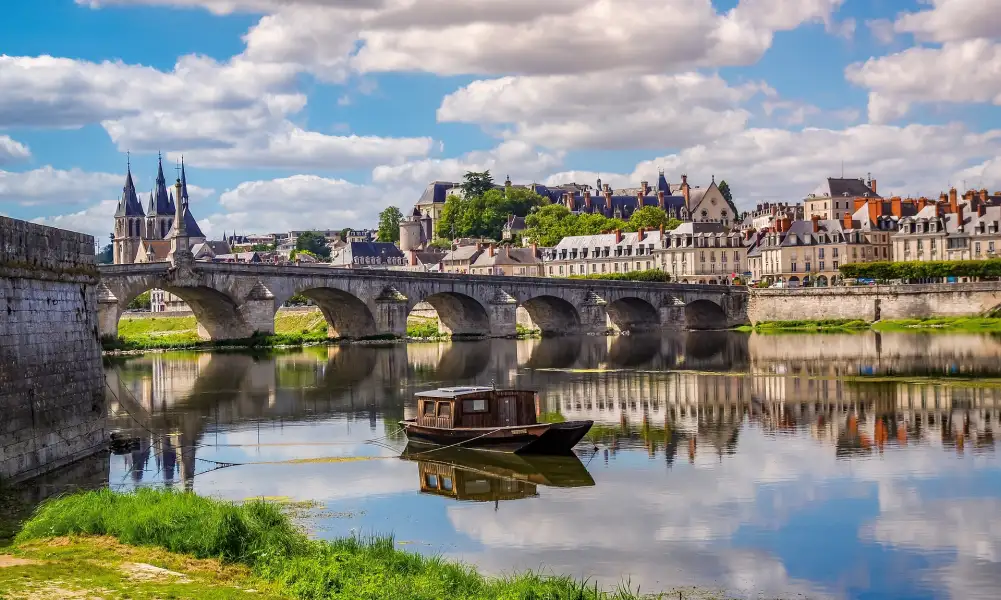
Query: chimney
535	249
412	255
587	201
640	234
662	232
507	251
490	250
618	236
858	204
639	199
896	208
922	201
953	201
568	200
983	195
816	223
645	186
981	209
479	247
685	192
660	200
943	198
607	188
959	217
872	185
785	224
847	222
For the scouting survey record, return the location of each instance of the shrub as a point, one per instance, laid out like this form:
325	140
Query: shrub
653	275
885	271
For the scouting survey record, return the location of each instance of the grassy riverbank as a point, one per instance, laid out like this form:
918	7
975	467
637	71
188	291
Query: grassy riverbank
292	328
941	324
220	550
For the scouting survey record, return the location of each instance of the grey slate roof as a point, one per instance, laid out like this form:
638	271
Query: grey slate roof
838	187
128	205
375	249
436	192
189	224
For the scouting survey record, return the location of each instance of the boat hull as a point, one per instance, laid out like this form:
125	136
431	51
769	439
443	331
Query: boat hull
542	438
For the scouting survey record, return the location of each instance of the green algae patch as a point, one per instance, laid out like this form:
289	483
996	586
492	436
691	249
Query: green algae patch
225	548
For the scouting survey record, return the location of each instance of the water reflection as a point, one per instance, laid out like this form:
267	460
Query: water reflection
764	464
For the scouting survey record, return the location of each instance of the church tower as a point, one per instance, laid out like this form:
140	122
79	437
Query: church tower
160	214
130	227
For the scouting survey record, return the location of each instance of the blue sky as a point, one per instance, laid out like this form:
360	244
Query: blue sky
319	113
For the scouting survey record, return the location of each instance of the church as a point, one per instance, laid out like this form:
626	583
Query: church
144	236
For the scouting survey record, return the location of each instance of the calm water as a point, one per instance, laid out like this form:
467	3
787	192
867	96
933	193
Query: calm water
762	465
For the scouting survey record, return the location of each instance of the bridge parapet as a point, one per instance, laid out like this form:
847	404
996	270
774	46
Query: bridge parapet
235	300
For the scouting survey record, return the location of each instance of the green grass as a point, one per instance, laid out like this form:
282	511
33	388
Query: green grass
424	328
931	325
259	536
942	324
820	326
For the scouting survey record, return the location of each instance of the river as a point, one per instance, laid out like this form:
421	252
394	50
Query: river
841	466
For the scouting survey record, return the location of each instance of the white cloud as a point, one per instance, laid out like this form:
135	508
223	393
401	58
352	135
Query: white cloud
881	30
952	20
95	220
296	148
47	185
12	151
518	159
966	71
225	7
778	164
604	111
589	36
301	202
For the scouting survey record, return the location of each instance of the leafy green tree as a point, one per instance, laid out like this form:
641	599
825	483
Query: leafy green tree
262	248
724	189
344	233
141	302
486	214
551	223
441	244
476	184
651	217
389	225
314	242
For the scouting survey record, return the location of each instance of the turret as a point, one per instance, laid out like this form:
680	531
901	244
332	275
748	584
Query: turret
129	222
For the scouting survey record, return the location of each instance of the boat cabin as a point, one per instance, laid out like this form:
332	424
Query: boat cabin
465	407
442	479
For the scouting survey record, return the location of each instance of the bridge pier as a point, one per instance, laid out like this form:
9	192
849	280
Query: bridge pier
391	316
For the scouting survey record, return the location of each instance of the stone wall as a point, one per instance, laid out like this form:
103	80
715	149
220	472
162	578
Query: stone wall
51	376
872	303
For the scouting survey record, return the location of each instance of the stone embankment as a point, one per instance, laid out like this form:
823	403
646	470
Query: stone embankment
51	376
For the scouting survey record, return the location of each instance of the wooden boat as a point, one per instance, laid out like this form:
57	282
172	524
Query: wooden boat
491	419
478	476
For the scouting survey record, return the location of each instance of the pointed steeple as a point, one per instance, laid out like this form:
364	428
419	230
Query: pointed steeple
129	205
162	200
184	182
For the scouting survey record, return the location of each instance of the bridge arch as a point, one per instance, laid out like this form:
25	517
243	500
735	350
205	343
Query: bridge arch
217	315
551	315
347	315
704	314
459	314
632	314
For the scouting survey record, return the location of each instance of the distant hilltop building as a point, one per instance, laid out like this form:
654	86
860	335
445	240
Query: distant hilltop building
680	201
144	236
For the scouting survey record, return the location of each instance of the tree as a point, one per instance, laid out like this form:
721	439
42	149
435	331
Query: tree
724	189
441	244
141	302
106	256
262	248
551	223
389	225
313	242
486	214
651	217
476	184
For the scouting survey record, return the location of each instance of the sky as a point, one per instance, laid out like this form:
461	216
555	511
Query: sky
297	114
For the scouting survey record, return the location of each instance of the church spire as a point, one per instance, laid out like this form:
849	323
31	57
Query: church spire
184	182
129	205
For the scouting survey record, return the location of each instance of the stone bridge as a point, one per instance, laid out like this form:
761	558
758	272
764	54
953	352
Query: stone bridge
233	301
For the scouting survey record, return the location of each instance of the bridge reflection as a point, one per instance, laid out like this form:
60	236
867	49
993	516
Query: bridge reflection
688	392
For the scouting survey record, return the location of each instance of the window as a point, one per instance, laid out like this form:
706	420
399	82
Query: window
820	253
431	481
561	269
444	409
428	408
474	406
807	267
603	267
736	256
550	270
835	251
821	265
835	265
647	265
594	267
616	267
446	484
990	246
571	269
977	247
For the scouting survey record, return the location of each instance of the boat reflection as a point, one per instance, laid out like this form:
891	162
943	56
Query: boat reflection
482	476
